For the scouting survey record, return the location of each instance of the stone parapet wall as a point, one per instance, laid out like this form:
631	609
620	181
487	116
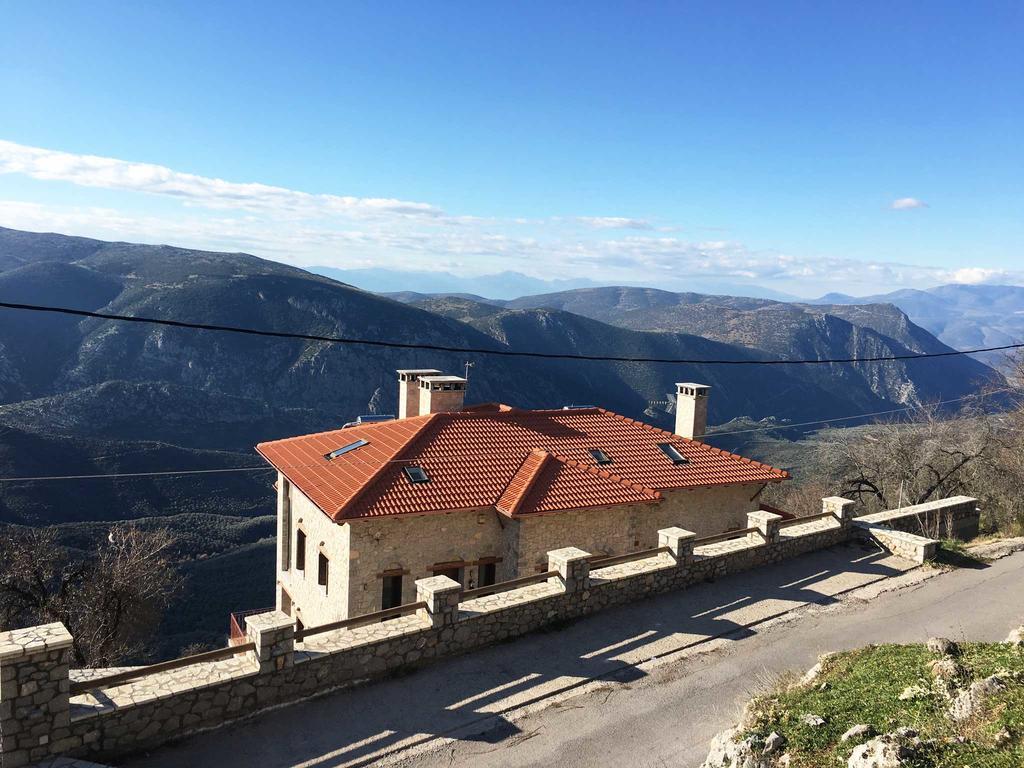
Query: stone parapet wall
954	518
151	710
909	546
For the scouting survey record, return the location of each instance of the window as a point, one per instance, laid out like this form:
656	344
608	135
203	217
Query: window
488	573
451	571
600	456
391	591
417	474
673	453
323	565
345	449
300	550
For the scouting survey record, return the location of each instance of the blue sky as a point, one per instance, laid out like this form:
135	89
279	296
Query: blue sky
803	146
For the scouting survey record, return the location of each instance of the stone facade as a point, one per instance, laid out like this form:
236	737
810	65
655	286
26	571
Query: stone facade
38	719
362	552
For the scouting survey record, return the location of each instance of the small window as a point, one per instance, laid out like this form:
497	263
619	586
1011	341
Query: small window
345	449
391	591
488	572
322	571
600	456
673	453
300	551
417	474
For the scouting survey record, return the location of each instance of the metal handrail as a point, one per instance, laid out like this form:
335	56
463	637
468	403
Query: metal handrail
605	562
724	536
808	519
84	686
505	586
358	621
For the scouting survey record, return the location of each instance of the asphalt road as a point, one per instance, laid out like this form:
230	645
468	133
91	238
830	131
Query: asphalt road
644	685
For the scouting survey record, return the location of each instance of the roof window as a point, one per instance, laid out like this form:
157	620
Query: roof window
345	449
673	453
417	474
600	456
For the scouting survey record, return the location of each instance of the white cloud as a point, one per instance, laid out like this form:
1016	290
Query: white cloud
110	173
978	275
614	222
308	229
907	204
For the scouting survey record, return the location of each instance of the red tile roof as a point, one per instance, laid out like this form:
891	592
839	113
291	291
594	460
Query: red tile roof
520	461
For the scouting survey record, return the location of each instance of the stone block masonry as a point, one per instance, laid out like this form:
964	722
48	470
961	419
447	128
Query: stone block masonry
40	720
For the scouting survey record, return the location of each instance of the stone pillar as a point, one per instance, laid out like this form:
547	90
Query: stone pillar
274	635
442	596
35	714
840	508
680	541
573	566
767	523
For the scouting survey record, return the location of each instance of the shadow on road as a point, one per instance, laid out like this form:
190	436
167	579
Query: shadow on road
468	697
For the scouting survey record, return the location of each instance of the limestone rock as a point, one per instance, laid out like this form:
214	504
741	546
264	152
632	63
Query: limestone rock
727	752
890	750
774	743
861	731
971	702
1003	738
811	675
1016	637
946	669
813	720
943	646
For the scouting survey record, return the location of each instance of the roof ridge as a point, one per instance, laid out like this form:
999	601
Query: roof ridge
528	481
371	481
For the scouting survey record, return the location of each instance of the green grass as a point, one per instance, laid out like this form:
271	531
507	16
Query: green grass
863	686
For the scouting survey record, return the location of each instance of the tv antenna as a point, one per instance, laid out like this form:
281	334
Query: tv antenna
468	366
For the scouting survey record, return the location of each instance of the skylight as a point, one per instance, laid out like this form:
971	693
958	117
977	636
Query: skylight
600	456
345	449
417	474
673	453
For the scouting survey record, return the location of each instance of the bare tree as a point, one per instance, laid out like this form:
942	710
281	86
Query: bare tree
111	599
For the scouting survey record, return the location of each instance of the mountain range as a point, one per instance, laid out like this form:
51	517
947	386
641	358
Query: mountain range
963	316
84	396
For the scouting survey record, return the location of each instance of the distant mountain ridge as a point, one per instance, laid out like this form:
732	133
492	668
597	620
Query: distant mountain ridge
962	316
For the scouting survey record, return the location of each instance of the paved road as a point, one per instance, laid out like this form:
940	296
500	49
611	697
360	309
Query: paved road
643	685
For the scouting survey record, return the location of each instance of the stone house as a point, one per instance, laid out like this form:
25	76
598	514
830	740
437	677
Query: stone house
482	493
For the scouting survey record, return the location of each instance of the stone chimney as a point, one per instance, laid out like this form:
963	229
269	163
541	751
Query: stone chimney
441	393
408	390
691	409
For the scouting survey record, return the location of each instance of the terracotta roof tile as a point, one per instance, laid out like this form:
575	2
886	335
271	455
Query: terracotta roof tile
520	461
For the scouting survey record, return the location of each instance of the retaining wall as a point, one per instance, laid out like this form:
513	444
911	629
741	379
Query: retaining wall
38	718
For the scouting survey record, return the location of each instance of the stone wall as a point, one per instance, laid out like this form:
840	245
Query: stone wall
953	518
37	716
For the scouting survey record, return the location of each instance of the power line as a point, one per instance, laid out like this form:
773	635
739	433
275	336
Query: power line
135	474
481	350
857	416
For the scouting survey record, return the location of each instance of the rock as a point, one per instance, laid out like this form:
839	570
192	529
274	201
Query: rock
971	702
946	669
890	750
914	692
1003	738
810	675
812	720
1016	637
943	646
861	731
773	743
726	752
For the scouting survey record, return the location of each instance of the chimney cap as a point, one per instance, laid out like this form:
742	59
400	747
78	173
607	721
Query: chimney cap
411	374
691	388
